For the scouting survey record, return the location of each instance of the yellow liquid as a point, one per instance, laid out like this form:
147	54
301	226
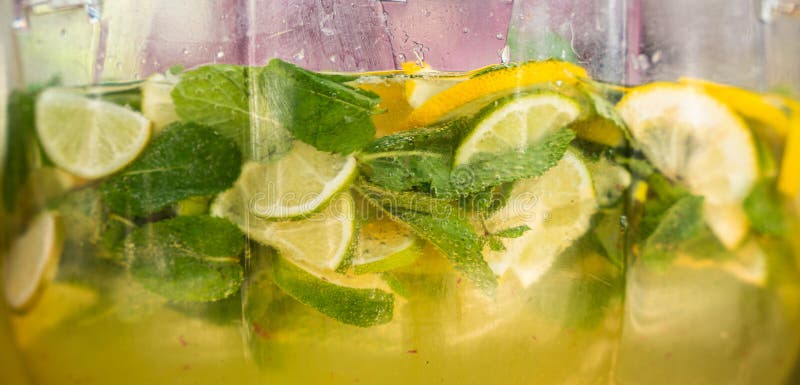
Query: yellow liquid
584	322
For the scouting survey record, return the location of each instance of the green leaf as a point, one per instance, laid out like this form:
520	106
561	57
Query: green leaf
216	96
353	306
442	224
512	232
229	99
495	244
414	160
186	160
682	222
486	170
325	114
763	209
187	259
20	151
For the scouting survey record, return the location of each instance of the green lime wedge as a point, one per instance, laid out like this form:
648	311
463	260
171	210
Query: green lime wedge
516	123
383	245
88	137
321	241
299	184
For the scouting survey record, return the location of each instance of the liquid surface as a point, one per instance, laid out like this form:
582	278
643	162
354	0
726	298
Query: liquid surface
517	224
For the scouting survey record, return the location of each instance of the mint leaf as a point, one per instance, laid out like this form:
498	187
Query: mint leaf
485	170
442	224
326	114
495	244
21	143
229	99
21	136
217	96
415	160
512	232
680	223
763	209
186	160
187	259
359	307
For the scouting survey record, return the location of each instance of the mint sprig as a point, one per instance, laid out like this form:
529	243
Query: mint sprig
440	223
187	258
186	160
326	114
229	99
486	170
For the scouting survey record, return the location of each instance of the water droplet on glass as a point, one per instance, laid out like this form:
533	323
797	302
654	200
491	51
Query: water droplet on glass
643	62
332	59
559	83
300	55
465	30
656	57
185	51
504	54
401	57
499	36
327	31
63	32
220	54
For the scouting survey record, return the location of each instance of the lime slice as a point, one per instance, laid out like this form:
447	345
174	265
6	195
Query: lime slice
351	305
157	102
32	261
516	123
694	139
297	185
320	242
89	138
492	82
384	245
557	207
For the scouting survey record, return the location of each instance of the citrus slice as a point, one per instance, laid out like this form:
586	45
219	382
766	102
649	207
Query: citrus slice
516	122
557	207
384	245
763	108
89	138
789	180
693	139
419	89
728	222
297	185
32	261
157	102
493	83
355	306
320	242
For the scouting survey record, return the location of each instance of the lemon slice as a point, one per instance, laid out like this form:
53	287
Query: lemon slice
516	122
320	242
157	104
32	261
297	185
385	245
557	207
693	139
789	180
89	138
428	82
493	83
763	108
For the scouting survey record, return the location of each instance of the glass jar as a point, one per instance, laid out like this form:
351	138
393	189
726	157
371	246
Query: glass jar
487	192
